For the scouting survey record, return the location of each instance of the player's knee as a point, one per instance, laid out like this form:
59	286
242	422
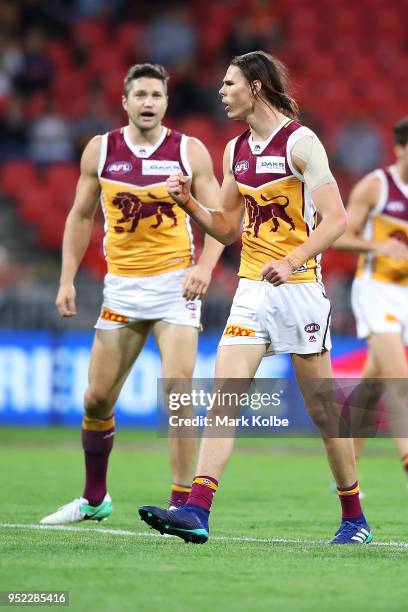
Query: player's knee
176	384
177	388
96	403
177	375
323	415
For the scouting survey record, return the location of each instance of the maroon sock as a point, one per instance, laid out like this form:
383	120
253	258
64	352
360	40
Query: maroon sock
179	494
350	501
97	442
404	460
202	491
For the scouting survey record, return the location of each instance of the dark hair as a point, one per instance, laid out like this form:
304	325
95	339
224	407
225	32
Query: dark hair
260	66
401	132
152	71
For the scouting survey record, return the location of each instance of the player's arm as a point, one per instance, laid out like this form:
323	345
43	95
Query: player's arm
78	227
224	223
206	188
310	159
363	198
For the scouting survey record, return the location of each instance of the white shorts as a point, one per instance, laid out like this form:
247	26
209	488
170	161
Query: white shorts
291	318
379	307
129	299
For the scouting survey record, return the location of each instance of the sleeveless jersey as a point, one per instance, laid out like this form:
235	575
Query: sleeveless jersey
389	219
146	233
279	211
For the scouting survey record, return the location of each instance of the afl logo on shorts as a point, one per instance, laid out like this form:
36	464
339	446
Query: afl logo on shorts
311	328
120	167
192	307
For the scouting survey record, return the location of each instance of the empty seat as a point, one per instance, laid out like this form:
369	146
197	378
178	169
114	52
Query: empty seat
35	203
62	177
92	32
17	176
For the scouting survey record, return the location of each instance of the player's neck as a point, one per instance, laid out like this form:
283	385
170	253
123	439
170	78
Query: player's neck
140	137
263	121
402	170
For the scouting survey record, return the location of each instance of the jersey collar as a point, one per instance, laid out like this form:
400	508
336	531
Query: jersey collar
143	151
259	146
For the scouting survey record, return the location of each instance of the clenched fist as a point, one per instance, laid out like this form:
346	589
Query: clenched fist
277	272
178	187
392	248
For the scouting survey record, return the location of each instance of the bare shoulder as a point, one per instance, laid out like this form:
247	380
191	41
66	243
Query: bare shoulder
195	145
198	156
229	145
367	190
227	158
90	156
196	148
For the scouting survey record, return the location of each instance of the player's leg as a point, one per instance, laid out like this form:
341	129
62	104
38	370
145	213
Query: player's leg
381	315
340	451
364	303
370	370
369	397
389	352
308	368
113	354
238	362
178	349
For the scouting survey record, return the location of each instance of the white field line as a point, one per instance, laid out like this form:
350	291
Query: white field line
151	534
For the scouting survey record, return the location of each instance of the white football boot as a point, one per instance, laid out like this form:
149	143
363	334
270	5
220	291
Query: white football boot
80	510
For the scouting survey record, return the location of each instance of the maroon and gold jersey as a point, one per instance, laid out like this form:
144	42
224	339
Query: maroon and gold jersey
389	219
146	233
279	211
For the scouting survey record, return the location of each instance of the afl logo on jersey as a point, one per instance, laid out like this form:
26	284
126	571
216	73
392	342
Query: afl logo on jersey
395	207
310	328
120	167
241	166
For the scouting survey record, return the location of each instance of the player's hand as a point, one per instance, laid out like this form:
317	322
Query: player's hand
196	282
65	301
277	272
178	187
392	248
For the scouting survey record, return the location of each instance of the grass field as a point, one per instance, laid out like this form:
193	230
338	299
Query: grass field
271	490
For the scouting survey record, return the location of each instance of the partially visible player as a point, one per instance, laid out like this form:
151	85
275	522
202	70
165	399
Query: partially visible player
152	283
277	174
378	230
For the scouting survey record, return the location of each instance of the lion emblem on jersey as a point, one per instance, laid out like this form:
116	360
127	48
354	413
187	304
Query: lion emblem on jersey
273	210
133	209
400	235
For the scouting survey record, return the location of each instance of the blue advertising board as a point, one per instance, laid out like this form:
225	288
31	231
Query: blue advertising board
43	376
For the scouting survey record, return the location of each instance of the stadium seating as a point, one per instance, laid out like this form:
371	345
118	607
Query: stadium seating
62	178
16	176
